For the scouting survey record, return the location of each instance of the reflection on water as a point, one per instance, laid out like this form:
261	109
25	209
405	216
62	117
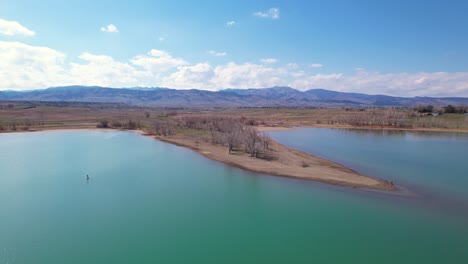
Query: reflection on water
426	135
431	164
152	202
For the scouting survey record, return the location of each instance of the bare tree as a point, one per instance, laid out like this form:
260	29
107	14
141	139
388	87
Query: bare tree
132	124
232	131
213	126
251	140
265	142
164	128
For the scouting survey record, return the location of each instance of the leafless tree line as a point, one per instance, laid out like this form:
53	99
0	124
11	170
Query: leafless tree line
388	117
398	117
229	132
19	125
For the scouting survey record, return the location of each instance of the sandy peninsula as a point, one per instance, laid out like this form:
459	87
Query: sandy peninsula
290	163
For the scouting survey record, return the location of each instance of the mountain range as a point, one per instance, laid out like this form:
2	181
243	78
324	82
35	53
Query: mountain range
265	97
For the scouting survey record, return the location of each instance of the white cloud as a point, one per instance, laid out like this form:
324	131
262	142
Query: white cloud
272	13
189	77
231	75
157	61
231	23
269	61
397	84
420	80
30	67
297	74
13	28
315	65
103	70
306	82
292	66
161	39
247	75
111	28
217	53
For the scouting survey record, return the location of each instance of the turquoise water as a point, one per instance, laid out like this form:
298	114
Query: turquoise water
428	163
151	202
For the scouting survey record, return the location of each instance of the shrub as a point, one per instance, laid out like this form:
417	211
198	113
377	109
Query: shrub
131	124
103	124
116	124
450	109
424	108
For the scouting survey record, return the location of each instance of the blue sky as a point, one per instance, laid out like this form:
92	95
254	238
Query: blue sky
407	48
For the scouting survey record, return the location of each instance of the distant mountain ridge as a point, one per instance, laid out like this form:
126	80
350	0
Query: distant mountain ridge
264	97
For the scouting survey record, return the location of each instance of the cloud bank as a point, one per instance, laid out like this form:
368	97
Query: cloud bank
25	66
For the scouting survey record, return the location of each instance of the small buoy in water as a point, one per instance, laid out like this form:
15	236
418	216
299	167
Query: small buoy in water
87	177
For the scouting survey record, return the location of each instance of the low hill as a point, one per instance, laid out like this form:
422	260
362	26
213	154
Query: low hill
266	97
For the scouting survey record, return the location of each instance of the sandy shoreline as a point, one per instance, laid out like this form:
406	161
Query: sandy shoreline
273	129
288	165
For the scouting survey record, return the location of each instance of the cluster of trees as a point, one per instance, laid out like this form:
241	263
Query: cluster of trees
130	124
449	109
7	106
165	127
18	126
424	108
229	132
103	124
461	109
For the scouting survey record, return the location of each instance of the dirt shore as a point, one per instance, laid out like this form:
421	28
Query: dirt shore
290	163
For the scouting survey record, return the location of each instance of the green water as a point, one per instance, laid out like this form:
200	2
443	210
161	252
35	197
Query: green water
151	202
428	163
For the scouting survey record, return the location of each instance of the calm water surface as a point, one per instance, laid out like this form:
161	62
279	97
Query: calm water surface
151	202
422	161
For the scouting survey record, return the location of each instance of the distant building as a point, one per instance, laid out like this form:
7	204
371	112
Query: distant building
435	114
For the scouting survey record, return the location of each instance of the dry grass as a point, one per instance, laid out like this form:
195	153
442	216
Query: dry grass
27	117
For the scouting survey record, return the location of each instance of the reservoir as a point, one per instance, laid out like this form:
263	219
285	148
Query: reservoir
151	202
